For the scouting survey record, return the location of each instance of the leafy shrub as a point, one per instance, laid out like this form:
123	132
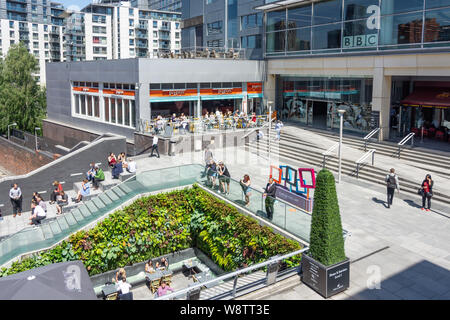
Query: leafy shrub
160	224
326	239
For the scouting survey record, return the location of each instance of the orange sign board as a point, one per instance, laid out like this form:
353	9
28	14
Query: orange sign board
173	93
254	87
118	92
221	91
85	89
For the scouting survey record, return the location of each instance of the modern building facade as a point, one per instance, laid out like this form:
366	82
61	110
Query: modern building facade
36	23
119	96
120	31
165	5
223	23
387	63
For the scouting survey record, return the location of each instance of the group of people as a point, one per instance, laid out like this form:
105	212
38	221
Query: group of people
217	171
425	190
120	163
163	264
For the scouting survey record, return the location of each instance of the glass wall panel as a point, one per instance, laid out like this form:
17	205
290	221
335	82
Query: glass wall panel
83	104
357	9
429	4
113	110
276	20
299	17
119	111
276	41
77	103
133	113
299	39
401	29
106	100
96	107
327	36
89	105
126	107
399	6
437	25
356	35
327	12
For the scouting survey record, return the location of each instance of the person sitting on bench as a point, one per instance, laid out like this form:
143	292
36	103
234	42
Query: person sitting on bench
38	214
99	176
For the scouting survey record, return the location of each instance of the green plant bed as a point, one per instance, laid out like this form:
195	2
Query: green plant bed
160	224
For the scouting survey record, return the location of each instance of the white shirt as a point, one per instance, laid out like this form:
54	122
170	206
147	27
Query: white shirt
132	166
124	287
155	140
39	211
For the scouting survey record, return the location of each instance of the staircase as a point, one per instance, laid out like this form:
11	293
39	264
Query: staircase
295	150
16	231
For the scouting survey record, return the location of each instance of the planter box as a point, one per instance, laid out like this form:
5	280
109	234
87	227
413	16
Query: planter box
327	281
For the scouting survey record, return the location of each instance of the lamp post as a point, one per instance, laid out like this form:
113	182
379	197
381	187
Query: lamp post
341	114
10	125
269	104
35	136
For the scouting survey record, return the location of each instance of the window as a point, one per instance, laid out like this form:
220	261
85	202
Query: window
251	21
113	110
356	35
251	42
327	36
214	27
357	9
131	42
299	39
96	107
155	34
177	35
327	12
131	12
155	24
437	25
119	111
106	102
131	22
276	20
436	3
177	25
401	29
399	6
45	28
126	110
131	33
35	36
276	41
35	27
11	24
299	17
11	34
155	86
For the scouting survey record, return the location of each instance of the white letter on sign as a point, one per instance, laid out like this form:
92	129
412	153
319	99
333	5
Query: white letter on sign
373	22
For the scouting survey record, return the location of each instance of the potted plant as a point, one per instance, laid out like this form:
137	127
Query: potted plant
325	267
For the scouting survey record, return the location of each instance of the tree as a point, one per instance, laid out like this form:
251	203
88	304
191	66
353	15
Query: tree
22	99
326	238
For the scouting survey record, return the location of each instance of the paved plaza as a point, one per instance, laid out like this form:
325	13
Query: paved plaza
402	252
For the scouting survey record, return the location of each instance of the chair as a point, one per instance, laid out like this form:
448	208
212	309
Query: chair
415	130
439	135
431	132
425	132
154	285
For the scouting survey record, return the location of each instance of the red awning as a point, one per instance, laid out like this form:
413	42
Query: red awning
428	97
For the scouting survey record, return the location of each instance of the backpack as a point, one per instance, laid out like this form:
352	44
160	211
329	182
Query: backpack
391	181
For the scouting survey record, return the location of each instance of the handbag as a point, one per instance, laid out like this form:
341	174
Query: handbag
420	191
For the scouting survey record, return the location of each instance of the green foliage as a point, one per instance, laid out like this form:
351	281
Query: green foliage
326	239
22	100
165	223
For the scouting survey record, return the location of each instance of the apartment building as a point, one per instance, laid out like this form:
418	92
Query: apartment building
36	23
120	31
166	5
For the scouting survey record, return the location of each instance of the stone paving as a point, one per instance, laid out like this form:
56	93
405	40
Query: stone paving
408	251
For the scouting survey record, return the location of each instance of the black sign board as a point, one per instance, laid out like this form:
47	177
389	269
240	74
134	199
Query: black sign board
338	278
374	121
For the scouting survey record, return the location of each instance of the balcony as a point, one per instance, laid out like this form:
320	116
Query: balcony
19	1
23	29
141	35
163	36
164	28
17	8
164	46
24	37
142	26
142	45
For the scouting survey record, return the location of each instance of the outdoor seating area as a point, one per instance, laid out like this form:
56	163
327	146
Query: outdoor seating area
204	52
440	134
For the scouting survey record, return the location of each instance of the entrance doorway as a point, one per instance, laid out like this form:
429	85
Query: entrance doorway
320	114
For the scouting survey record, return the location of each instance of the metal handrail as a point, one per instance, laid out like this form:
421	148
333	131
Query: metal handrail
363	159
233	274
370	135
329	152
410	136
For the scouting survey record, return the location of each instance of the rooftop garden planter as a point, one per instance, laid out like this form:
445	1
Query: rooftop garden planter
161	224
325	267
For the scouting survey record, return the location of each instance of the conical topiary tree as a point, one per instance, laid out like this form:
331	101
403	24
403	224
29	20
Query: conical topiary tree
326	238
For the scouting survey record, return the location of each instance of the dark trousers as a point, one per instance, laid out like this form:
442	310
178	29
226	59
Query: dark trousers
390	195
37	220
96	181
53	195
426	196
154	148
17	205
269	207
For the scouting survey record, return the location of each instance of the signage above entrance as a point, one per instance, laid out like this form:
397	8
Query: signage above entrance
173	93
118	92
254	87
221	91
85	89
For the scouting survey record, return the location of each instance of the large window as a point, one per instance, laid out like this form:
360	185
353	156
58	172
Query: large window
251	21
251	42
399	6
299	39
276	41
401	29
327	12
299	17
437	25
359	9
327	36
276	20
214	27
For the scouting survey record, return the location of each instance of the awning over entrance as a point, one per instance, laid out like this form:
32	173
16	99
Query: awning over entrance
428	97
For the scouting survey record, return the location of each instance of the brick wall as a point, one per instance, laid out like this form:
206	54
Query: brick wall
20	160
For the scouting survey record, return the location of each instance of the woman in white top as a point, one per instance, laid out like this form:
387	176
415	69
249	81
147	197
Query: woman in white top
123	286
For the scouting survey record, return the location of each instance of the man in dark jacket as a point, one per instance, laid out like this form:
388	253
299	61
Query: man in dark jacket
117	170
269	193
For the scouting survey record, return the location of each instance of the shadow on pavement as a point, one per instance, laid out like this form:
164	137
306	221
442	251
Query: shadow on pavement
412	204
376	200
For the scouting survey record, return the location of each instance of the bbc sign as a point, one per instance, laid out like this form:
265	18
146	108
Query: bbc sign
364	40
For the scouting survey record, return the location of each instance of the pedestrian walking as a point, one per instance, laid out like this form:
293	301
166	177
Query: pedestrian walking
208	158
15	195
245	184
392	184
269	193
427	192
155	146
278	127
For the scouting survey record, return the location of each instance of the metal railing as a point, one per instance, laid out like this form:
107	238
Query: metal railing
363	160
329	152
370	135
402	143
234	275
